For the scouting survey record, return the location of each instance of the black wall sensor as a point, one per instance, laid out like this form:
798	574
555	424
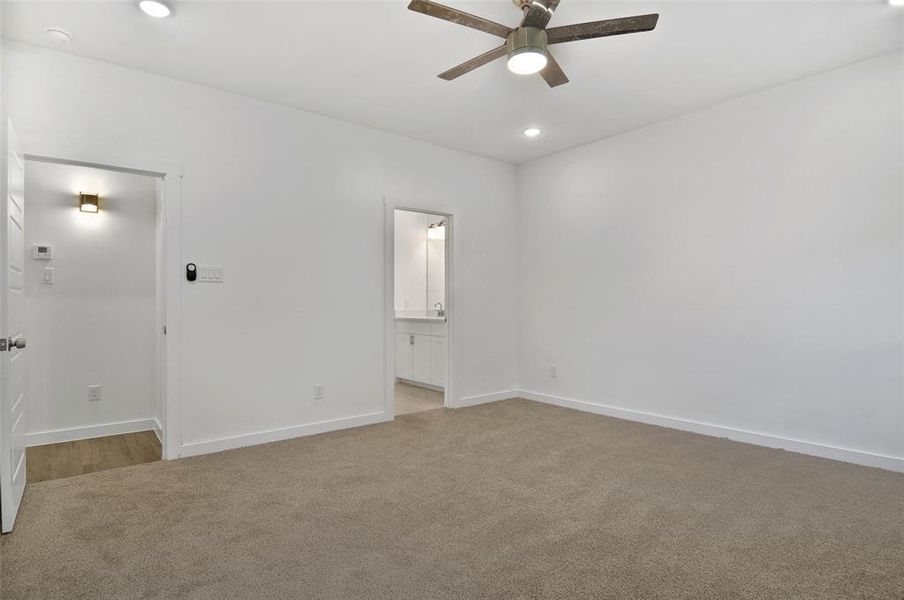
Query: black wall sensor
191	271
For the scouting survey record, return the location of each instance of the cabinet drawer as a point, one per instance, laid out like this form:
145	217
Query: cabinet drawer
420	327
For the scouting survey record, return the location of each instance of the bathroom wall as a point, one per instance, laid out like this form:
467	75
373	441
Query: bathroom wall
96	323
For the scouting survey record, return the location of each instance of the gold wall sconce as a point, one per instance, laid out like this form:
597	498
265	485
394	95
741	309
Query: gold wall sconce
89	203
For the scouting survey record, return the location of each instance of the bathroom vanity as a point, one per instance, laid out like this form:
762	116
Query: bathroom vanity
421	350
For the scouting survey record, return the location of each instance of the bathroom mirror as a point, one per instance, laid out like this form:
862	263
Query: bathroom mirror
420	264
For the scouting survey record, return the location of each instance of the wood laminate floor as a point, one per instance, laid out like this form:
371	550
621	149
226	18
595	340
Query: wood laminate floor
411	398
66	459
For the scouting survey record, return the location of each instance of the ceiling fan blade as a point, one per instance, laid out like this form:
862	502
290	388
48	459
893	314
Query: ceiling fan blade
456	16
470	65
539	13
595	29
553	73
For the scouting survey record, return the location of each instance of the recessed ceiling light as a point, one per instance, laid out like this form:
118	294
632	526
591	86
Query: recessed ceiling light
532	132
896	2
60	36
155	8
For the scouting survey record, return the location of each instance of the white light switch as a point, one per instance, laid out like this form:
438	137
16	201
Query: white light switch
47	276
211	273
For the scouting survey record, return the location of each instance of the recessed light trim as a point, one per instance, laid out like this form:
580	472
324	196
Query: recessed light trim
532	132
154	8
60	36
896	2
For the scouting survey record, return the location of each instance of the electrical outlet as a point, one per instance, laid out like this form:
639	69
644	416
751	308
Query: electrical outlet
93	393
319	392
47	276
553	372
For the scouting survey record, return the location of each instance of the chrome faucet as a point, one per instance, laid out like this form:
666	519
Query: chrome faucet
440	310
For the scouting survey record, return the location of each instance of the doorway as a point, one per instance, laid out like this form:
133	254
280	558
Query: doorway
420	310
94	316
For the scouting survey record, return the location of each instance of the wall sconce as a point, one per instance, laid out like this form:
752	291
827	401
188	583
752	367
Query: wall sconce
88	203
437	231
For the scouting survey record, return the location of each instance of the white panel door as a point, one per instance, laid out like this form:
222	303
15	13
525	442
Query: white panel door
439	353
12	354
421	358
403	357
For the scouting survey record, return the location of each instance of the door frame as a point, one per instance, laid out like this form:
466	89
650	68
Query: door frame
389	296
169	188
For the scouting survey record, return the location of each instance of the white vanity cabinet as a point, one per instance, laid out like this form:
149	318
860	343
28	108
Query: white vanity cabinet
421	351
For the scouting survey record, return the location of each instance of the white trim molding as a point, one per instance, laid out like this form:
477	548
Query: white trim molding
158	429
485	398
282	433
72	434
859	457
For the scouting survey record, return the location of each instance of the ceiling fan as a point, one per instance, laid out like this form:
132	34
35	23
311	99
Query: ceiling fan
526	45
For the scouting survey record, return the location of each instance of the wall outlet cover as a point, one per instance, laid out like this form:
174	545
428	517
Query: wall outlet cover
47	276
94	393
553	372
319	392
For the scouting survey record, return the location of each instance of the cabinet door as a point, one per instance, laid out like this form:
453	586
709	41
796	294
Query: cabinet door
403	356
421	360
439	353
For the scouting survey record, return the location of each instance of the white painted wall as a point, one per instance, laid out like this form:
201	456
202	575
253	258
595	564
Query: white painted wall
269	192
96	324
436	272
740	266
410	260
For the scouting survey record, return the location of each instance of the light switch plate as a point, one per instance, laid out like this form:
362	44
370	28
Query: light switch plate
211	273
47	276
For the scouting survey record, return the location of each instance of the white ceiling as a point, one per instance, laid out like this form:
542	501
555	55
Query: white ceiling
375	62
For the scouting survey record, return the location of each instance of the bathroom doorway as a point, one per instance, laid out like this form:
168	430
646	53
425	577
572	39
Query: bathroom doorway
420	310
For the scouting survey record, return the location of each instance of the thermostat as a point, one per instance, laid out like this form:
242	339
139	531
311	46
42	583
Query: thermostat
42	252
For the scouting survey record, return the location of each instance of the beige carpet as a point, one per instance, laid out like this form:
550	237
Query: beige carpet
510	500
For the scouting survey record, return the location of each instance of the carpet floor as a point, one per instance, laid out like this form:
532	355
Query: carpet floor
511	500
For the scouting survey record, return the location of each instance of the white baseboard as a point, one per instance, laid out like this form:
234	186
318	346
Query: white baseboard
859	457
72	434
283	433
158	429
484	398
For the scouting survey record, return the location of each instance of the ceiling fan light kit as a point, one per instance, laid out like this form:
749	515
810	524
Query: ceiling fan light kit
526	50
526	46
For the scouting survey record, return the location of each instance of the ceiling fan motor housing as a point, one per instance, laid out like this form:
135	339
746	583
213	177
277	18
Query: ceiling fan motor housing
526	39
